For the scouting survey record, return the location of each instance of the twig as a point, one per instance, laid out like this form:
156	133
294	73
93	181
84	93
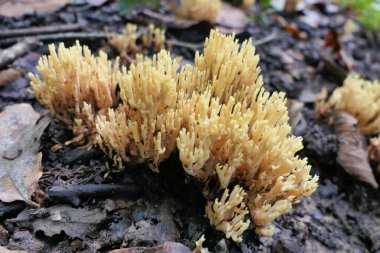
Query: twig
82	36
265	40
10	54
39	30
194	46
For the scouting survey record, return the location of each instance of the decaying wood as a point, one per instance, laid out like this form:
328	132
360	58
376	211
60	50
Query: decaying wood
39	30
10	54
10	75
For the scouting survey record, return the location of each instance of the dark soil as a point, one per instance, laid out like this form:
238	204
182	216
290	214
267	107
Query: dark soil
343	215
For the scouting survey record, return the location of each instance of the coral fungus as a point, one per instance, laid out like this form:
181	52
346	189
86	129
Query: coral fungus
200	9
132	42
226	126
227	129
76	86
360	98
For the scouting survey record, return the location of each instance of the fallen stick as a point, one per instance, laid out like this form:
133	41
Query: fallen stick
23	32
10	54
70	36
73	193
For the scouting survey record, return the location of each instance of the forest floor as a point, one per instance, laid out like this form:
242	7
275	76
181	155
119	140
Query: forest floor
137	208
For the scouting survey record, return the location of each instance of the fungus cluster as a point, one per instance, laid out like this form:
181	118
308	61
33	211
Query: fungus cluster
128	46
200	9
76	86
360	98
226	127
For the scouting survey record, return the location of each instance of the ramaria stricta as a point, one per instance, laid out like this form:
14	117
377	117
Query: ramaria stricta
226	127
360	98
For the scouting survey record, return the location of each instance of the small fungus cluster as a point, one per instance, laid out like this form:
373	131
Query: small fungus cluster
360	98
126	44
225	126
200	9
208	10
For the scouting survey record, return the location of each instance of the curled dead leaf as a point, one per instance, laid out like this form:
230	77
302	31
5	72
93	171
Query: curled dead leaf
351	154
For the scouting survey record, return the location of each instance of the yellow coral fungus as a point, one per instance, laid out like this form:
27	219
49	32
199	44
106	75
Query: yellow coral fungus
129	47
199	246
228	214
227	129
225	126
360	98
75	85
146	126
200	9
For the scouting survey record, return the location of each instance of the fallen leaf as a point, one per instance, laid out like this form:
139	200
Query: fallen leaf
351	154
5	250
75	222
231	19
10	75
20	162
166	247
19	8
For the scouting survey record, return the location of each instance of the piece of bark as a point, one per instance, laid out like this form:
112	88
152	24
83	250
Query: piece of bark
10	54
10	75
351	154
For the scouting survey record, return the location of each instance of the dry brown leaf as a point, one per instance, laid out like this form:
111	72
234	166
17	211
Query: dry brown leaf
351	155
10	75
19	8
20	162
231	19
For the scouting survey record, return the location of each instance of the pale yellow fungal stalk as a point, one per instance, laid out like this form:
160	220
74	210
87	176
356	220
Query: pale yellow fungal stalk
146	126
199	246
75	85
154	35
231	68
200	9
126	41
229	213
360	98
